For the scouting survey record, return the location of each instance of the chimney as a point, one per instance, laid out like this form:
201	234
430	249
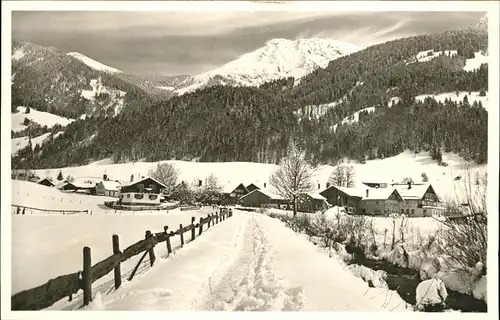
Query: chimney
104	177
409	185
132	178
328	184
367	192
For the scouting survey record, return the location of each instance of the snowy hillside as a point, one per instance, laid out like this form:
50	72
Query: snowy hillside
93	63
40	117
116	97
406	164
428	55
21	143
279	58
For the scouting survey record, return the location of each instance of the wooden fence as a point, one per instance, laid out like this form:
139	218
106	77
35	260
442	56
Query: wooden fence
65	286
20	209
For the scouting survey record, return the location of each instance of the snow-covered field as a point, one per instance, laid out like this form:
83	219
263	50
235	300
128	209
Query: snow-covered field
45	246
248	262
40	117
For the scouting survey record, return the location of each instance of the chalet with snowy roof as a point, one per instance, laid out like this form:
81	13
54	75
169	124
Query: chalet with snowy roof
259	198
311	202
144	185
108	188
143	191
420	200
46	182
81	185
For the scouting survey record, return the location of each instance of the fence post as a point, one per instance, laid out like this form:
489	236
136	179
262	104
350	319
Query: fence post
217	217
116	250
151	250
87	284
181	234
209	216
201	226
167	240
193	230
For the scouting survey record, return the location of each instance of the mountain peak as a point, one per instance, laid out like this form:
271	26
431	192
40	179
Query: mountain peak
279	58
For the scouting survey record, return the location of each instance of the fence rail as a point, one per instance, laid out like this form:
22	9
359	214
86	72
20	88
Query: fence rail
50	210
66	285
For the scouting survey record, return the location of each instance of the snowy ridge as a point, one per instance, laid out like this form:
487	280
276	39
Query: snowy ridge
117	96
279	58
453	96
40	117
93	63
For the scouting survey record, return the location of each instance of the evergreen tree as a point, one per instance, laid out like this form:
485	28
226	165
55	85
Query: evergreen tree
60	176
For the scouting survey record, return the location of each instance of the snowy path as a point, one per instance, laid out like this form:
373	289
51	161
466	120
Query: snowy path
249	262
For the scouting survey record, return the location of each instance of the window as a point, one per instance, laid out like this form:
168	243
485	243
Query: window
407	211
138	196
152	187
425	212
412	211
153	196
402	211
377	203
128	195
121	196
141	187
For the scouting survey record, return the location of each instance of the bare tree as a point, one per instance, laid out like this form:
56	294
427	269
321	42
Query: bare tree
212	185
343	176
466	231
167	174
293	176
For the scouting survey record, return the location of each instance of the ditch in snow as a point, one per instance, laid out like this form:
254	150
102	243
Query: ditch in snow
405	281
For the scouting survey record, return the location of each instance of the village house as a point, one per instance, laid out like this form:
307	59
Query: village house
381	201
311	202
46	182
251	187
259	198
420	200
364	200
143	191
108	188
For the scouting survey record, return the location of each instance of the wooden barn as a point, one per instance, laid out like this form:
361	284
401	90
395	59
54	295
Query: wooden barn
259	198
311	202
348	198
108	188
231	195
46	182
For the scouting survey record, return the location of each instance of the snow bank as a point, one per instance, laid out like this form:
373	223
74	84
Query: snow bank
40	117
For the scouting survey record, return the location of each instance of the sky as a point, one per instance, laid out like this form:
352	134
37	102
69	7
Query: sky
187	42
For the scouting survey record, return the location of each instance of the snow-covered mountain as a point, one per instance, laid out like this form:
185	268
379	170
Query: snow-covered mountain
93	63
279	58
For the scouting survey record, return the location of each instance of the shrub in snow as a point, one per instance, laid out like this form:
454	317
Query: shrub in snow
376	279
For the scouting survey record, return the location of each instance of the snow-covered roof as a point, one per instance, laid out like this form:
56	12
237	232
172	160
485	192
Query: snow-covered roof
378	193
417	191
316	196
373	193
110	185
267	193
142	179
